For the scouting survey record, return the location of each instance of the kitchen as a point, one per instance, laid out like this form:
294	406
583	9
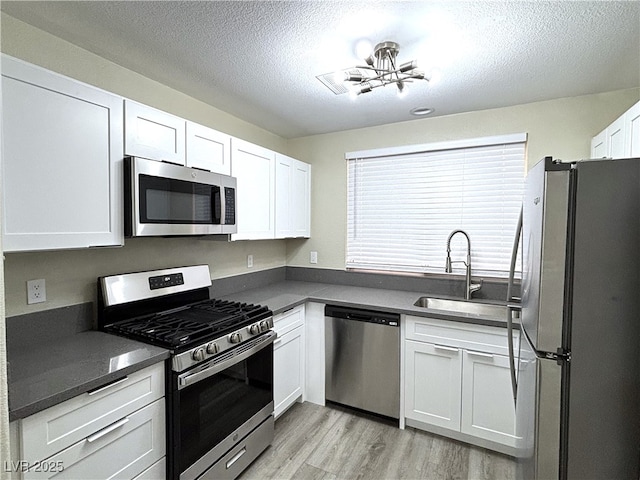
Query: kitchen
72	274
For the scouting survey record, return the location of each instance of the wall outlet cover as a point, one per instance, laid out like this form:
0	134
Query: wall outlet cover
249	261
313	257
36	291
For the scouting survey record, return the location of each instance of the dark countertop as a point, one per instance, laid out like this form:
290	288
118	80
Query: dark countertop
284	295
66	368
85	360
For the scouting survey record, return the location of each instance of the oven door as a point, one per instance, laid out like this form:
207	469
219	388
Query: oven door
217	405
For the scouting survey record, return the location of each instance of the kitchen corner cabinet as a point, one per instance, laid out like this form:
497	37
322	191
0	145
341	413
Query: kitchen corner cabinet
208	149
153	134
293	197
254	168
116	431
61	161
621	139
457	382
288	359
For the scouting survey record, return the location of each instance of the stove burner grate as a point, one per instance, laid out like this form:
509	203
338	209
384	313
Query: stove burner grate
196	322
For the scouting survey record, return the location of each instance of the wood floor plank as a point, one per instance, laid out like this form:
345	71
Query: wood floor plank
334	443
297	434
486	465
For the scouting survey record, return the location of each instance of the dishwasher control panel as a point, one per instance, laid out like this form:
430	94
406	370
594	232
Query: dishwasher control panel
362	315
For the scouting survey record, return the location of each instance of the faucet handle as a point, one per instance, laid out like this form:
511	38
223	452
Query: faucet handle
474	287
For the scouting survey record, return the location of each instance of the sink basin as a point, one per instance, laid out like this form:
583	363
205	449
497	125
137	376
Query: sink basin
467	307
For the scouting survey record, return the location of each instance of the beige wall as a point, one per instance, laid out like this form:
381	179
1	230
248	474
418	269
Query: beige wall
560	128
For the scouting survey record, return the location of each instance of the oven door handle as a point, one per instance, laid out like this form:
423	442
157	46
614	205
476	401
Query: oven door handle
218	365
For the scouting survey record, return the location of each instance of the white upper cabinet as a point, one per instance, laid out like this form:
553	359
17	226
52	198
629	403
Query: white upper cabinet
151	133
621	139
633	131
616	138
208	149
254	168
61	160
599	145
293	197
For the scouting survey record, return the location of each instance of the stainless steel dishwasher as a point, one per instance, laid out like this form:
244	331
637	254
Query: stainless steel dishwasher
362	359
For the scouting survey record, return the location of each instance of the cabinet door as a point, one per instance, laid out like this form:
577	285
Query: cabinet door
616	139
284	181
61	160
599	145
433	384
293	197
208	149
301	200
488	409
288	370
254	168
151	133
632	119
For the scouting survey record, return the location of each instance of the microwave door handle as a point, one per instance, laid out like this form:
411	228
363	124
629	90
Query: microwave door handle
216	200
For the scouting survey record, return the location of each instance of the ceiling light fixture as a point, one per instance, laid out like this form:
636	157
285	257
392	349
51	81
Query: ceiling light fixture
421	111
381	69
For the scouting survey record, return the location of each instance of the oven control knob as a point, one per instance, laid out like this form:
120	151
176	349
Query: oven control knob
235	337
212	348
254	329
198	354
264	325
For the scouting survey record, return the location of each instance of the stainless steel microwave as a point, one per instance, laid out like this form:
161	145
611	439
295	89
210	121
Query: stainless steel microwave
164	199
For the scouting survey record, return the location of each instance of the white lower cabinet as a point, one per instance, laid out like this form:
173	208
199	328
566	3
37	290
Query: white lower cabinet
122	450
115	431
433	393
288	359
457	382
487	401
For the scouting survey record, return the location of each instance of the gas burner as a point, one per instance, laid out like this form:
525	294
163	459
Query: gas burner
186	326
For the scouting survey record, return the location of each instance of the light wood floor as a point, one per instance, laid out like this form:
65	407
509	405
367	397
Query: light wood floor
330	443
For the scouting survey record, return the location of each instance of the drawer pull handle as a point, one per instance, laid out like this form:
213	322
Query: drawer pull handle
448	349
236	457
479	354
108	385
104	431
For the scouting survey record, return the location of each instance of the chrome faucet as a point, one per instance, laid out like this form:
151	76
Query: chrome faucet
469	287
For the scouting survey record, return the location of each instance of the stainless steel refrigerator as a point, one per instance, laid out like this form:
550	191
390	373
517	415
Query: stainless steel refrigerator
578	372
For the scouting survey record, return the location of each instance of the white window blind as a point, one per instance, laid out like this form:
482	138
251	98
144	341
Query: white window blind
402	207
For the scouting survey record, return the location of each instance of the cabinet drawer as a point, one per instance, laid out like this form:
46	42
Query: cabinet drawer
482	338
287	321
60	426
122	450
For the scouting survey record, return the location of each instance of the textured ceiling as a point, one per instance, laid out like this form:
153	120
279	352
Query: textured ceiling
259	60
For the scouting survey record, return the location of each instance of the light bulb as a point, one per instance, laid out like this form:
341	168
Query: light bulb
363	48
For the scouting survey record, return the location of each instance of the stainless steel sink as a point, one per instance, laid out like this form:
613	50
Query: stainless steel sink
464	306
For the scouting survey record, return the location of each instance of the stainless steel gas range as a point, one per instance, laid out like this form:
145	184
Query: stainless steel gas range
219	390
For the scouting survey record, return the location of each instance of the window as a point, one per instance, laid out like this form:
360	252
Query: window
402	204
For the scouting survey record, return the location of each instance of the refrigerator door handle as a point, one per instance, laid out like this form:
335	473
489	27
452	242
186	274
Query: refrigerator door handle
511	308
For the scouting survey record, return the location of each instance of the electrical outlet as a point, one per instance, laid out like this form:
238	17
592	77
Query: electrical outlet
249	261
313	257
36	291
